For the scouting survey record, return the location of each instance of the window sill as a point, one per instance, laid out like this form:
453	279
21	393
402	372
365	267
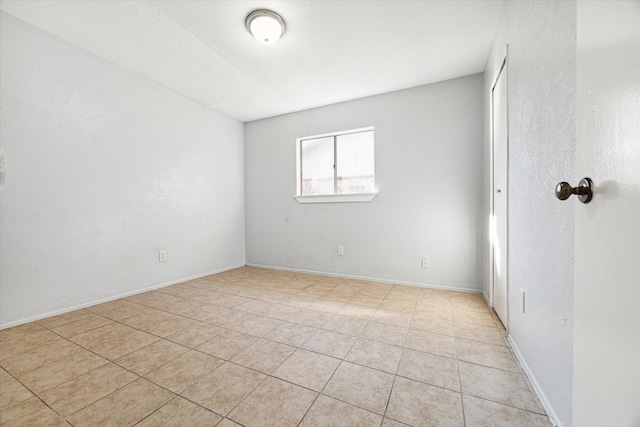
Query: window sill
337	198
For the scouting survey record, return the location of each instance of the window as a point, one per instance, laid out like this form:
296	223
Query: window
337	164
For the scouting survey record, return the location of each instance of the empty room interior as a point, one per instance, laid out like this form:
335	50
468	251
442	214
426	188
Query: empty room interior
320	213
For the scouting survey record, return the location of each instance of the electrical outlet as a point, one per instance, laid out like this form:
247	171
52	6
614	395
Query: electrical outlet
424	262
522	306
340	250
162	256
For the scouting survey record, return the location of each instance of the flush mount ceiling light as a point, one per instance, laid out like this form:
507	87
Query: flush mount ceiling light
265	25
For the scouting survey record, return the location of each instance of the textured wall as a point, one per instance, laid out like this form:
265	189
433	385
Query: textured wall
103	169
542	136
428	149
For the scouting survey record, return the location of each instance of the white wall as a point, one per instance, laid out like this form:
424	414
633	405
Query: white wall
104	168
542	136
428	148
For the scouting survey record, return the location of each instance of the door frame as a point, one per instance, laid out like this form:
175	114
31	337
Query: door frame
492	231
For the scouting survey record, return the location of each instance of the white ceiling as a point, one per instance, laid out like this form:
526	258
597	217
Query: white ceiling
332	51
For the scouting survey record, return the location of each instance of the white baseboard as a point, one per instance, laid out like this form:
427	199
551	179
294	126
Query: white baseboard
371	279
537	389
111	298
486	298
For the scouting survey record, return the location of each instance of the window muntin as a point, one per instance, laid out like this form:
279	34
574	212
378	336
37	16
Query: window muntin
339	163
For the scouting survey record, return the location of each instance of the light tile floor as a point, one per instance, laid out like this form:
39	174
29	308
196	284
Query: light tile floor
257	347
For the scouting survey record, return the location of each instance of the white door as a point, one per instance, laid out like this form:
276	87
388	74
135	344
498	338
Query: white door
500	139
606	353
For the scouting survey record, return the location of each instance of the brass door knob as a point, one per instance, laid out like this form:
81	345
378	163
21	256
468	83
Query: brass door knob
584	190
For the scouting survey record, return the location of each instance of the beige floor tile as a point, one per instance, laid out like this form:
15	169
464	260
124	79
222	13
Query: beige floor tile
268	309
312	292
218	298
256	325
427	342
398	305
432	324
327	411
114	340
378	290
193	336
297	300
479	333
224	388
358	311
118	309
17	345
307	369
82	391
61	370
227	344
291	334
151	357
499	386
385	333
326	305
181	373
494	356
419	404
155	300
404	292
330	343
474	317
257	317
429	368
263	355
338	296
377	355
20	333
366	300
541	408
126	406
439	311
61	319
458	304
388	422
88	323
40	356
228	423
274	403
159	323
181	413
30	413
434	296
483	413
391	317
312	318
361	386
192	309
11	391
227	318
182	290
345	325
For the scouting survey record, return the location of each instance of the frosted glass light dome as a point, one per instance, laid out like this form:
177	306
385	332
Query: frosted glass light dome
265	25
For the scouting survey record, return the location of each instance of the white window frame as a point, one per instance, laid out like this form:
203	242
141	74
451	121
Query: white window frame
328	198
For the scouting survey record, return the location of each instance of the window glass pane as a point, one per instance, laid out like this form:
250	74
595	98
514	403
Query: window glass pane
355	172
316	160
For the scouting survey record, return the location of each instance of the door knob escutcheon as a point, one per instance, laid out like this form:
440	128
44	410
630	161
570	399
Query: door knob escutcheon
584	190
